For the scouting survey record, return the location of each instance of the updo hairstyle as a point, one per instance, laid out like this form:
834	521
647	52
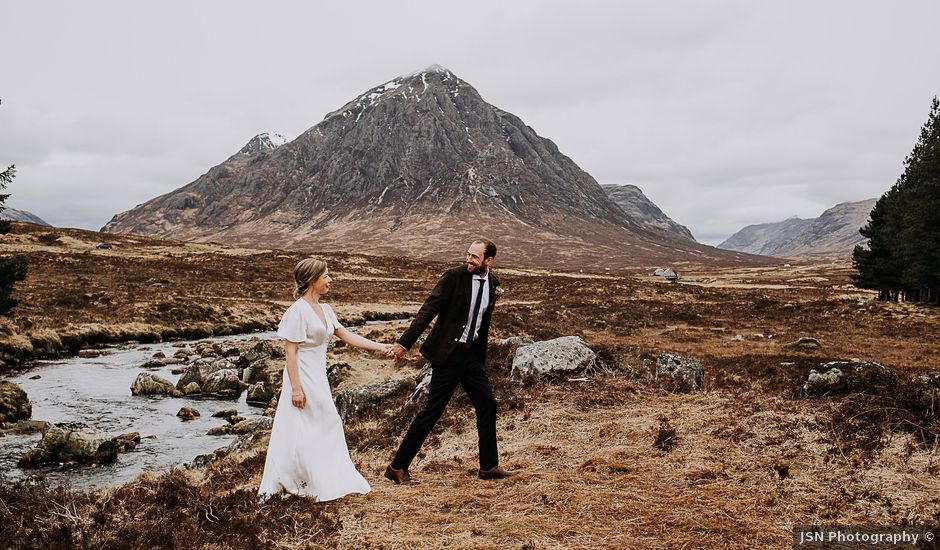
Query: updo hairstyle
306	272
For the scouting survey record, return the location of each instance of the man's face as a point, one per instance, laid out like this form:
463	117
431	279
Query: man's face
475	262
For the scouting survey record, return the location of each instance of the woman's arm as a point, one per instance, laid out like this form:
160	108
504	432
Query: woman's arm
297	396
354	339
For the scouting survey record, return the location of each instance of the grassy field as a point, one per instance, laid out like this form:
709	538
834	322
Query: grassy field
751	456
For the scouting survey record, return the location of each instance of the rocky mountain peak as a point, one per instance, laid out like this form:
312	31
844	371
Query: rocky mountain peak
642	210
419	158
263	142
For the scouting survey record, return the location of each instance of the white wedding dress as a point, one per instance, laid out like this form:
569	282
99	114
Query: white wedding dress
307	455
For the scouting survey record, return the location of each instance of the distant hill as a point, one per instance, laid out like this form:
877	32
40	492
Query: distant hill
21	216
642	210
834	233
417	166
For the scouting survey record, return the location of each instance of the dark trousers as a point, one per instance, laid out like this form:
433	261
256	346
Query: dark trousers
465	369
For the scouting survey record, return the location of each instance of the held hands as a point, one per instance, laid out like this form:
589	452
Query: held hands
298	399
394	351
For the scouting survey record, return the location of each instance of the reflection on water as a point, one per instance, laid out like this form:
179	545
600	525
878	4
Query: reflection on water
96	391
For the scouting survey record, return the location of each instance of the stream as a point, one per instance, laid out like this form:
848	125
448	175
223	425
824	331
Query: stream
96	391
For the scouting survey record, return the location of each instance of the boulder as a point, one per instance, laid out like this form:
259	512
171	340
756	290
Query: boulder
191	388
220	430
667	273
128	442
30	426
680	373
560	354
225	413
78	444
253	425
202	369
187	413
14	403
354	403
805	342
260	394
225	383
235	419
258	355
151	384
837	377
336	373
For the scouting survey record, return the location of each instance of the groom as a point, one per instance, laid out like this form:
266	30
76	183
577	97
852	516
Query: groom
463	302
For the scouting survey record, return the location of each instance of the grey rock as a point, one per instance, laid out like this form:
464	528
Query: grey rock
805	342
225	383
354	403
200	371
77	444
151	384
14	403
837	377
560	354
187	413
337	372
260	393
667	273
253	425
220	430
191	389
678	372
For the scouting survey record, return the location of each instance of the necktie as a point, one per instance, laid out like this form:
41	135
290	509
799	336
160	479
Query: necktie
476	310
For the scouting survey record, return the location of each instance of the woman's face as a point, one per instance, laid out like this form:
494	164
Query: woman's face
322	285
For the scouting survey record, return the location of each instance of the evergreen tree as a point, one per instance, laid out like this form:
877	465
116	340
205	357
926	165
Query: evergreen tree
903	255
11	269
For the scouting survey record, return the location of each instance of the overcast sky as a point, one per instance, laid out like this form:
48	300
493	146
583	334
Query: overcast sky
724	113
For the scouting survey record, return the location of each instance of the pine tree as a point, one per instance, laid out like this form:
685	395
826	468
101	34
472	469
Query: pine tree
11	269
903	255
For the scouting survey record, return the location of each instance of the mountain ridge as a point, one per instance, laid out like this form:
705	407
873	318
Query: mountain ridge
418	158
833	233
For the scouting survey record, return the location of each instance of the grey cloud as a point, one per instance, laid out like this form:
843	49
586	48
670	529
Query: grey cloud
724	113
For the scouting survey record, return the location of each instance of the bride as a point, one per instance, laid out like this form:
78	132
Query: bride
307	455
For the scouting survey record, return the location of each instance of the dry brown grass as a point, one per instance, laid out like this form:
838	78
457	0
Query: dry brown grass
750	456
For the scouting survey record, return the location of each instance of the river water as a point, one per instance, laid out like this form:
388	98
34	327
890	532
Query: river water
96	391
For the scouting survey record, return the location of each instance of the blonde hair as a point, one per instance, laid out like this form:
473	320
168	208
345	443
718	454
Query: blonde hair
307	271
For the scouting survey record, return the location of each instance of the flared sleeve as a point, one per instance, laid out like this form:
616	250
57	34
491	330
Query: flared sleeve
331	315
292	327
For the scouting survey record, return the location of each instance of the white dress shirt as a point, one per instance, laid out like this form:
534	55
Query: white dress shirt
484	302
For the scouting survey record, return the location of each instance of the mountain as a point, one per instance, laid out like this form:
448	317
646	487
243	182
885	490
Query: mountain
416	166
642	210
21	216
834	233
765	238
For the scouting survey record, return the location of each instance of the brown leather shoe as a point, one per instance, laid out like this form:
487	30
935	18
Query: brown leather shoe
400	477
496	473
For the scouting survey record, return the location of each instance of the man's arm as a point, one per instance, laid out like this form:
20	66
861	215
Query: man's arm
429	310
